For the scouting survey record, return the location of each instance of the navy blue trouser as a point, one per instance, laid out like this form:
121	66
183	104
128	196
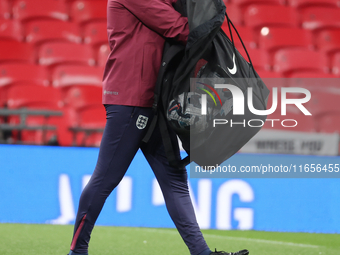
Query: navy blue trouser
124	131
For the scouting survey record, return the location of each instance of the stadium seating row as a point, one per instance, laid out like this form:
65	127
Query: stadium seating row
254	14
39	31
274	38
325	117
64	76
295	3
81	107
285	62
94	34
52	54
82	95
79	11
269	38
91	118
45	36
23	85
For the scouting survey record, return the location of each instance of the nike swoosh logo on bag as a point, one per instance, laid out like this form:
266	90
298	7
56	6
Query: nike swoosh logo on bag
234	70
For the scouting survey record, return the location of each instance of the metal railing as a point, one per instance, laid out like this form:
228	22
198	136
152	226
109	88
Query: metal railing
23	113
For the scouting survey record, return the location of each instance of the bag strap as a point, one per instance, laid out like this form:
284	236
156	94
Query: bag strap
259	81
168	146
186	161
168	55
151	128
244	47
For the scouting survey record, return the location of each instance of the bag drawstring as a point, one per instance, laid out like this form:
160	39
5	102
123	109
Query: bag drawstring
244	47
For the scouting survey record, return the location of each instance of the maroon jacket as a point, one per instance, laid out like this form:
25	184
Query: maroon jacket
137	30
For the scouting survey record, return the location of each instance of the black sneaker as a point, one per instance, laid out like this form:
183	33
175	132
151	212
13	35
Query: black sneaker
243	252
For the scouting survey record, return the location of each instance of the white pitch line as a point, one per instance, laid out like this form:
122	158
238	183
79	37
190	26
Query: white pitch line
236	238
263	241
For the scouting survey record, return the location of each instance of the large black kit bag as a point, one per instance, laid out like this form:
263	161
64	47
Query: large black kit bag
188	72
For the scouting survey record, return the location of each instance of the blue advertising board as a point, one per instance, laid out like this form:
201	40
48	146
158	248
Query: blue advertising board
43	185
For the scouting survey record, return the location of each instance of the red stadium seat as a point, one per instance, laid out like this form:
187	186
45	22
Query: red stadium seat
336	64
12	51
271	83
306	3
258	16
17	73
235	15
304	123
69	119
259	58
70	75
3	98
79	97
311	74
31	95
88	10
288	61
95	33
25	10
35	97
70	1
268	74
10	30
319	17
39	31
274	38
91	118
329	123
5	9
14	73
314	83
323	102
248	2
61	136
103	53
54	53
329	40
246	34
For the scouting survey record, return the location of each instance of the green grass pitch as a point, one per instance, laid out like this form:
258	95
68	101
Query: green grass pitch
31	239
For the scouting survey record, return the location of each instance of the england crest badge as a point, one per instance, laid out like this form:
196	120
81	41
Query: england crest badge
141	122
